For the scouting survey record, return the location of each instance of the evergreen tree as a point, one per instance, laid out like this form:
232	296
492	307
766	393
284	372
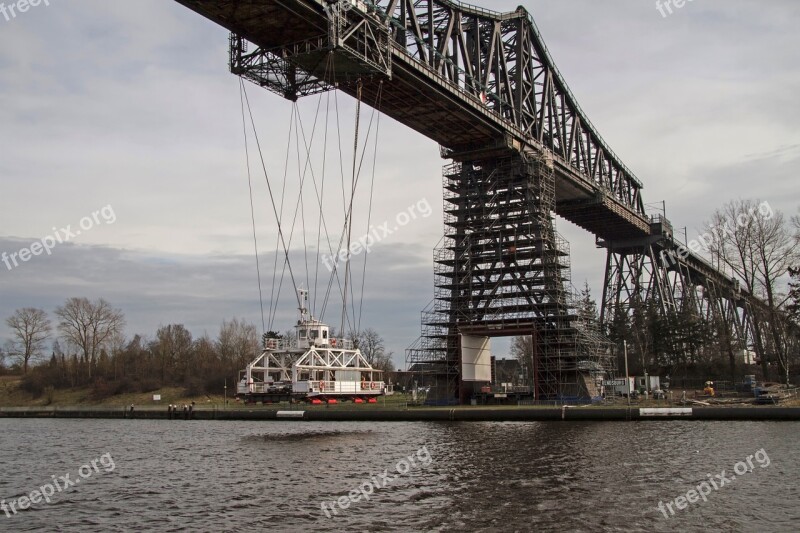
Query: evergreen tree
587	307
793	306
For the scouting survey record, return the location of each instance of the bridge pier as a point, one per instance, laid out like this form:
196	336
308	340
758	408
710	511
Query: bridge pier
503	270
467	76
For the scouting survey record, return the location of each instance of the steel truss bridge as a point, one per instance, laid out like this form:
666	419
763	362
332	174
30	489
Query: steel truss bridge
483	85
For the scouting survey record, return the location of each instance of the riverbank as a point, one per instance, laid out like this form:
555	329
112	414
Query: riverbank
13	395
80	403
417	414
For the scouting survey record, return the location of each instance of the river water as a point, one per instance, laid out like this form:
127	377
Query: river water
254	476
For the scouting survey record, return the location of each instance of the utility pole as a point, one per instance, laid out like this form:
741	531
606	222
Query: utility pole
226	393
627	377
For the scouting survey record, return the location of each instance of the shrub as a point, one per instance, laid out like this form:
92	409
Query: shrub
148	385
214	385
102	389
34	383
194	386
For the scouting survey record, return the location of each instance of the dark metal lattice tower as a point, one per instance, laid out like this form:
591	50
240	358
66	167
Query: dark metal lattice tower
503	270
483	85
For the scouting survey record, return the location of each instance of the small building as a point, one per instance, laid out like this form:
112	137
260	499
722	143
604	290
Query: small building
617	387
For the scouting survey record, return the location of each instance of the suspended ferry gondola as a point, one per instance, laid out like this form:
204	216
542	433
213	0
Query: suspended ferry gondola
310	366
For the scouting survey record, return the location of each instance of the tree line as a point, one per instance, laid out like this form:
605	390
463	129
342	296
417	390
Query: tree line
86	347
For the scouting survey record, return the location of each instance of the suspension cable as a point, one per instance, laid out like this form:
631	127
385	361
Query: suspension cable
375	110
350	207
369	210
273	310
271	195
320	195
252	207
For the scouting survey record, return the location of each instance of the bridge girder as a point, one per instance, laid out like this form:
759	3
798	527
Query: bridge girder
662	272
484	86
471	79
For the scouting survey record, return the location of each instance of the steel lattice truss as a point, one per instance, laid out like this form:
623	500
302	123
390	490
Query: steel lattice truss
654	274
483	85
502	60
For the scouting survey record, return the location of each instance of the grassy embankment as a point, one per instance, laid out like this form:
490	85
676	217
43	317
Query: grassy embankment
12	396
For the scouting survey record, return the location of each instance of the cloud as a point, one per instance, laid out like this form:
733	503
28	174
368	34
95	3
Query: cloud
202	291
130	104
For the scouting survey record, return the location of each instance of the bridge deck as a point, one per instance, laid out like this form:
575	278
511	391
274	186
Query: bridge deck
421	99
418	97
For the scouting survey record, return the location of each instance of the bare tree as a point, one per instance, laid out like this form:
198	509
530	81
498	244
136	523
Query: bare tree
89	326
237	343
30	328
384	363
173	346
776	254
754	241
205	356
522	351
793	306
373	348
370	343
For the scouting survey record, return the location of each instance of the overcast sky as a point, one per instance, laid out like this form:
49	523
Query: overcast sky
129	106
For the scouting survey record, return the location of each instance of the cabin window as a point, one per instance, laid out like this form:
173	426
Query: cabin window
324	333
348	375
313	334
301	333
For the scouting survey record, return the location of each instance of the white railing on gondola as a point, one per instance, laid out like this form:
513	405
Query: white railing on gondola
282	345
343	387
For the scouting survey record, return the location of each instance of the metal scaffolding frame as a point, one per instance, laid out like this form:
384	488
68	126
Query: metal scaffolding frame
503	270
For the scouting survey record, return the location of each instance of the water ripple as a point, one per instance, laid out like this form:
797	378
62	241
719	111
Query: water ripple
251	476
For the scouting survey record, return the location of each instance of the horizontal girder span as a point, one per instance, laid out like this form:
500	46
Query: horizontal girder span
468	78
478	82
